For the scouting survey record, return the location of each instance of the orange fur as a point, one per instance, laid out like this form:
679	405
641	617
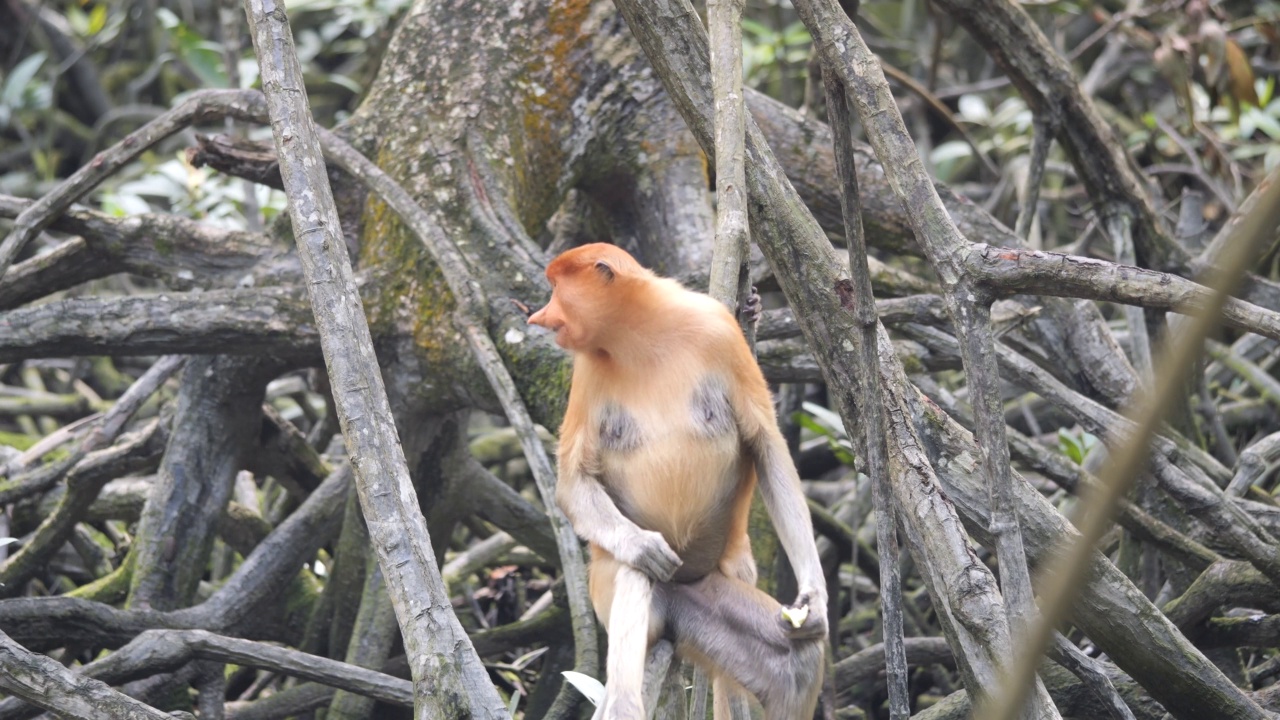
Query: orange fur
669	419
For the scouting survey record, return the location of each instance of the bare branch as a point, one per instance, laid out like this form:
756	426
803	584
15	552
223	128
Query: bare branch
156	651
180	252
43	681
806	266
730	281
857	296
1009	271
259	321
470	319
433	638
82	489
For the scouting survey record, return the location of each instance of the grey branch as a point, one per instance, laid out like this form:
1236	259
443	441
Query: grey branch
272	321
182	253
44	682
432	634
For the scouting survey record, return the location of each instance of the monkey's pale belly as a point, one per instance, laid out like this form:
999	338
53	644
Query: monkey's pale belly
684	493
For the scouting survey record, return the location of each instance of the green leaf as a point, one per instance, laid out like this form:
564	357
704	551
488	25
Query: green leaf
205	59
1075	447
827	424
950	150
808	423
751	27
796	34
78	21
1266	123
344	82
1266	91
123	205
1068	446
97	19
168	20
19	78
1089	440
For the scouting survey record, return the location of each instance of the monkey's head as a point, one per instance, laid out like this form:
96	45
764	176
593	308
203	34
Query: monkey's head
590	287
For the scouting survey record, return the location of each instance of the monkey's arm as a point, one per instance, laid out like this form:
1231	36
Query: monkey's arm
784	499
779	485
598	520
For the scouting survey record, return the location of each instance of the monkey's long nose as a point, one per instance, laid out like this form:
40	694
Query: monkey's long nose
539	318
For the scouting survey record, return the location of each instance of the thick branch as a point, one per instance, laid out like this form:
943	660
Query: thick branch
846	56
81	489
45	682
439	652
730	275
156	651
263	321
1122	621
178	251
857	296
1045	80
1009	271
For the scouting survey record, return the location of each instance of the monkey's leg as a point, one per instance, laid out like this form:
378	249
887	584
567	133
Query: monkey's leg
631	629
731	699
736	630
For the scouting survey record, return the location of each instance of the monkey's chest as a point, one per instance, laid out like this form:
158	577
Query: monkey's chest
673	467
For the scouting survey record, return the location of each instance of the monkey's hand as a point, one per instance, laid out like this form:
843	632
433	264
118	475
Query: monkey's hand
649	553
810	611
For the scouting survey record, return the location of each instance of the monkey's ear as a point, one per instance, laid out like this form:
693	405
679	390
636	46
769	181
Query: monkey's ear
605	271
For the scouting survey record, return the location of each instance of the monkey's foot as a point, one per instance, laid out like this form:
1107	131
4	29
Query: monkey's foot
752	308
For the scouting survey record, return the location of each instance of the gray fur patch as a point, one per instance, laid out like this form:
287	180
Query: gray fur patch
618	430
712	414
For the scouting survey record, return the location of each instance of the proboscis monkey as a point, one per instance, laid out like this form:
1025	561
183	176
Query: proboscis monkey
669	425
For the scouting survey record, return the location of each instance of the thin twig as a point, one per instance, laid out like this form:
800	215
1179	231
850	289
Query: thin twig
1041	141
858	297
44	682
730	281
1066	654
57	526
1120	230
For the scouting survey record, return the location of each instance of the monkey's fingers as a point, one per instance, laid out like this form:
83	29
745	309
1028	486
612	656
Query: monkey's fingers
651	555
805	618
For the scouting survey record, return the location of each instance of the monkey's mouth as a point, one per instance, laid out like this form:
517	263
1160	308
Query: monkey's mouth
562	335
561	331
